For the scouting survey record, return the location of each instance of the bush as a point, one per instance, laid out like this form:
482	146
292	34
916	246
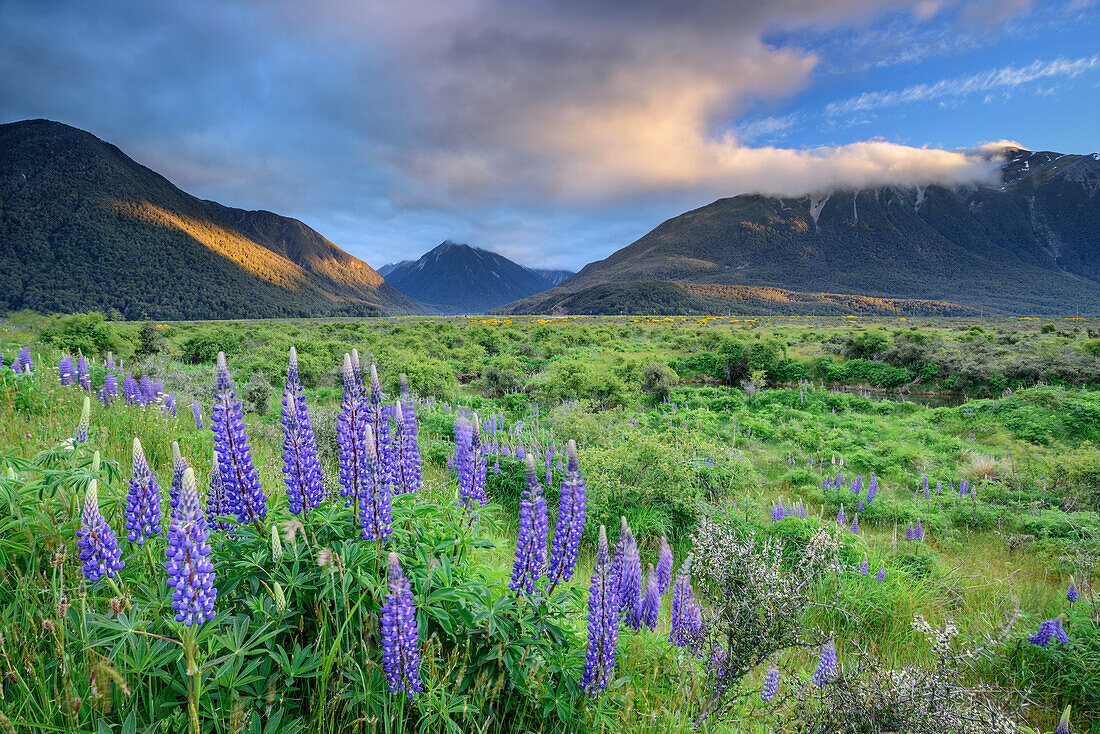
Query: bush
87	333
658	381
256	394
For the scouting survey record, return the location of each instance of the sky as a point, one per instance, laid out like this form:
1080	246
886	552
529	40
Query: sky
553	132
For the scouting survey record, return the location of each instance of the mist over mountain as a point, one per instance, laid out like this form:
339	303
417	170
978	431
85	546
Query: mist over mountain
1028	245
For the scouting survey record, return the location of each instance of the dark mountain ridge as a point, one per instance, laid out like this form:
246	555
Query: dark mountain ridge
83	227
457	278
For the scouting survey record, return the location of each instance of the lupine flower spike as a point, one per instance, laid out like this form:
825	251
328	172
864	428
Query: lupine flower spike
196	410
239	478
664	566
1071	593
826	666
216	503
374	497
882	572
301	469
179	466
351	425
190	571
771	685
863	567
603	623
99	551
682	598
531	543
572	513
81	434
626	571
400	636
1050	629
143	500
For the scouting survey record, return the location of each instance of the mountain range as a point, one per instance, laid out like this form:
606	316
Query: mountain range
1028	245
457	278
84	227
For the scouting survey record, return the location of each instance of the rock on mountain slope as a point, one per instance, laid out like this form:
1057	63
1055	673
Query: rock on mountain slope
462	279
83	226
1031	245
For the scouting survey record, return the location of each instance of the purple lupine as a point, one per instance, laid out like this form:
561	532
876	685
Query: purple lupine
1059	631
882	572
81	434
239	479
603	623
771	685
196	410
217	505
664	566
468	465
682	597
1043	636
572	513
169	405
351	431
963	485
65	370
859	507
26	365
130	390
408	469
651	600
872	488
142	501
301	469
939	487
400	635
531	542
909	532
189	568
99	551
855	523
864	567
840	519
110	389
179	466
926	486
373	502
826	666
918	531
146	391
626	571
1071	593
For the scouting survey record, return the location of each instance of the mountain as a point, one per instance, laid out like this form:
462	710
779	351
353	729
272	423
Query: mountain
555	277
462	279
1029	245
84	227
390	267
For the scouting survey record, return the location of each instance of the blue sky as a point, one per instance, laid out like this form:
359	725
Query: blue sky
553	132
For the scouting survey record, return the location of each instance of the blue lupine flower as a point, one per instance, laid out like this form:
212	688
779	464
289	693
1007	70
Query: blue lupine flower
301	469
603	623
217	504
918	531
882	572
142	501
855	523
826	666
533	529
99	551
409	477
1050	629
351	431
65	370
190	571
400	635
375	518
196	410
627	576
1071	594
179	466
864	567
682	598
771	685
572	513
239	478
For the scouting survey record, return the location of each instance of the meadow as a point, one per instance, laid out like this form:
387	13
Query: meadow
854	524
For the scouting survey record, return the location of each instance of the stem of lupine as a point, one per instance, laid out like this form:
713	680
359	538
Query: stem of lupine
188	640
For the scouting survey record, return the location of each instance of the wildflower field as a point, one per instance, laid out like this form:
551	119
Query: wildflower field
488	524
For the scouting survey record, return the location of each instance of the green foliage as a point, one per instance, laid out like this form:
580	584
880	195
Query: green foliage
87	333
658	381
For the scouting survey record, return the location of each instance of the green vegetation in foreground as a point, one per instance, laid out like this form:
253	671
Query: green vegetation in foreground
662	442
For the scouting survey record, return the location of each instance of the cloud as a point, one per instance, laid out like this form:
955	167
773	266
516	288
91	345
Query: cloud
556	126
1004	78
